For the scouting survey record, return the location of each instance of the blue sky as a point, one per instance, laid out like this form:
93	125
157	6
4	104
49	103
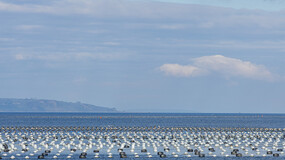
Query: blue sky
266	5
146	56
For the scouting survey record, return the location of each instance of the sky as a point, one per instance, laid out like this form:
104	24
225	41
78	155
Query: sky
208	56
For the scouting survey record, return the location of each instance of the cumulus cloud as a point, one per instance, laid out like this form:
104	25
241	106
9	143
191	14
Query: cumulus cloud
218	64
180	70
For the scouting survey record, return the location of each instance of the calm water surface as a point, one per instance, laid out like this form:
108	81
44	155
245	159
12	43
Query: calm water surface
143	119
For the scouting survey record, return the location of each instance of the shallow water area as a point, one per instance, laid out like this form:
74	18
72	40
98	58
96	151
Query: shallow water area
141	136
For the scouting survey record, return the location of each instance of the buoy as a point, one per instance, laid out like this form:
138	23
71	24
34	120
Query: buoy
47	151
275	155
159	153
162	155
201	155
123	155
233	153
82	156
190	150
238	155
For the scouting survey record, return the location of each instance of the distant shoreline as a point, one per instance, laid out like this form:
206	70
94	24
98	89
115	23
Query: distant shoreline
43	105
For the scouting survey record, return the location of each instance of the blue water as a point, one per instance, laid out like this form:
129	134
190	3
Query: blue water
143	120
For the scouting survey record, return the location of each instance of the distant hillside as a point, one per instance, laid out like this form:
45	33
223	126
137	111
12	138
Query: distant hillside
41	105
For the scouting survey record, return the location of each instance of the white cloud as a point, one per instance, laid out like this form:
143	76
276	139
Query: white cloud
28	27
218	64
172	26
200	16
208	15
111	43
69	56
19	57
180	70
4	39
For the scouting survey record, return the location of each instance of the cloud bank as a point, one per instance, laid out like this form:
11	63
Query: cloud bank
209	16
221	65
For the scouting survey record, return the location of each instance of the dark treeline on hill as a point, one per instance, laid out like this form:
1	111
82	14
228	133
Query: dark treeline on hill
41	105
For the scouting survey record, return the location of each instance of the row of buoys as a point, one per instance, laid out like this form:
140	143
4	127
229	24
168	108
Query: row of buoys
128	128
139	142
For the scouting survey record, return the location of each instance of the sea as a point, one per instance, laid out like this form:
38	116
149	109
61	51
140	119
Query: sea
251	126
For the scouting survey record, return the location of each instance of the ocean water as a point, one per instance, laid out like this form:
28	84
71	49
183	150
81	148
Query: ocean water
241	129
